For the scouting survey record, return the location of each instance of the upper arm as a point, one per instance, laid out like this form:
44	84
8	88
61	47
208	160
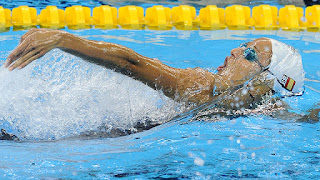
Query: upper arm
192	84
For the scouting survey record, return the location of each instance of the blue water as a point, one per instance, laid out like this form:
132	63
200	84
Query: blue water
56	98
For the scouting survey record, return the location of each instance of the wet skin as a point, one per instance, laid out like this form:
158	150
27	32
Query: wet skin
191	85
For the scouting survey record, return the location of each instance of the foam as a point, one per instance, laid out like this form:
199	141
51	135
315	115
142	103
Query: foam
61	95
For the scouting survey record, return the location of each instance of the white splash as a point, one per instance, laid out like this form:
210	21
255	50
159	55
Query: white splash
61	95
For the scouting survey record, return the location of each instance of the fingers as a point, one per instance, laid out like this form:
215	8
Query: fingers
27	59
16	53
34	44
24	64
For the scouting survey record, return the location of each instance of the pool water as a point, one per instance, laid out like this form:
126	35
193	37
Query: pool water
52	102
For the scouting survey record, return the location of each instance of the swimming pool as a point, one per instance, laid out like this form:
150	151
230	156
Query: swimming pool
49	103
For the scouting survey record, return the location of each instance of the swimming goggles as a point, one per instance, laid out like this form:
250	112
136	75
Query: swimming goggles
250	54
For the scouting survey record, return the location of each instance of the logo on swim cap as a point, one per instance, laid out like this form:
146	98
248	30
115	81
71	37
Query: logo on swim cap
287	82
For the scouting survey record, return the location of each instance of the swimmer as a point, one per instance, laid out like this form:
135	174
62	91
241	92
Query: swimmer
252	70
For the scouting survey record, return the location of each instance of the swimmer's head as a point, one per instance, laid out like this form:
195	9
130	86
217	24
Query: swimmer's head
282	62
246	61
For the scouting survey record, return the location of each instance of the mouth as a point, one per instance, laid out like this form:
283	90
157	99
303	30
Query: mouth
220	68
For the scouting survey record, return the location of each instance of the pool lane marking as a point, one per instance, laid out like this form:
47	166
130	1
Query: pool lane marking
312	89
311	80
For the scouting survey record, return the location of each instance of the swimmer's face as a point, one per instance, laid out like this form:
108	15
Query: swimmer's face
239	67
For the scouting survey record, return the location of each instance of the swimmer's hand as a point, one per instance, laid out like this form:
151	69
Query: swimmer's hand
33	45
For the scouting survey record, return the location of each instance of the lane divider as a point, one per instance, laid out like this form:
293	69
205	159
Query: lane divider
211	18
5	18
158	18
183	17
291	18
265	17
105	17
131	17
52	17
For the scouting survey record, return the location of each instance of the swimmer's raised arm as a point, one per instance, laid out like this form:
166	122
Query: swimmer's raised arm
174	82
281	62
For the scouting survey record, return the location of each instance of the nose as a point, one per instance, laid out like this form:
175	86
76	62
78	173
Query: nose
236	52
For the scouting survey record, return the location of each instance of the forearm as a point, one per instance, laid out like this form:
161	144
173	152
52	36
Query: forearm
110	55
124	60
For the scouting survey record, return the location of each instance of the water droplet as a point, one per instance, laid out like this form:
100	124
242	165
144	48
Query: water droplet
303	19
190	154
239	172
279	103
244	91
203	154
210	141
198	161
242	146
266	48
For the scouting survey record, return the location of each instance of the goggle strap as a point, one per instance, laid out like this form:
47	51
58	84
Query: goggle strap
263	68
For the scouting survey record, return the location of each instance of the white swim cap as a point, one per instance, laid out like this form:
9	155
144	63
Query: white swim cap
287	70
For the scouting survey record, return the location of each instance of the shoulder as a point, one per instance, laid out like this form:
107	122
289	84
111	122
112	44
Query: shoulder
196	75
195	84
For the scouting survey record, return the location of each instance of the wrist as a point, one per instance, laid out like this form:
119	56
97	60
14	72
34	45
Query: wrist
63	39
